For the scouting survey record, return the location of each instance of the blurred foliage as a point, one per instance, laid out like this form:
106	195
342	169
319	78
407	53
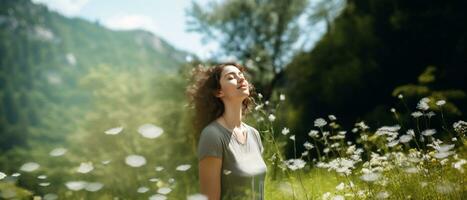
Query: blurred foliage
263	35
10	191
412	93
374	47
65	81
42	53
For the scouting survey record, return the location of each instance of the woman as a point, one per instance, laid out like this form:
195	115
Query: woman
229	151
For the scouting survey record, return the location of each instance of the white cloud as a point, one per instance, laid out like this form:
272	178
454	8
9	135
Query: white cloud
68	8
131	21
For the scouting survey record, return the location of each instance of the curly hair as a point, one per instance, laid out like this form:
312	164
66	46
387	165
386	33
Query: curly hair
201	95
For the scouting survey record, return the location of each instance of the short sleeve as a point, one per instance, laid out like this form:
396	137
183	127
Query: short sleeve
260	143
210	144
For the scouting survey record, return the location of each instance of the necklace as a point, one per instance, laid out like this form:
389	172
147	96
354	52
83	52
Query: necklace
232	130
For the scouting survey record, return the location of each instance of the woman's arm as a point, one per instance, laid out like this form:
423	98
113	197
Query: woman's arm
210	177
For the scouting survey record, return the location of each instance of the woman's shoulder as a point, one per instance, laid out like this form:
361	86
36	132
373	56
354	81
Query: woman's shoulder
211	130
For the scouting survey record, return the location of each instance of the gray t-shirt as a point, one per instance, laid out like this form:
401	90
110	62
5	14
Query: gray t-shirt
243	169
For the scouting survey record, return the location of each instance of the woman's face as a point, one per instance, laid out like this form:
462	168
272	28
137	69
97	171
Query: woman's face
233	84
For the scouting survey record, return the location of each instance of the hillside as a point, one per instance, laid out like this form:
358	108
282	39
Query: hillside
44	54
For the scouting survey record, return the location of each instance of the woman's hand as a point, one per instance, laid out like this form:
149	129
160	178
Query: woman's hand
210	177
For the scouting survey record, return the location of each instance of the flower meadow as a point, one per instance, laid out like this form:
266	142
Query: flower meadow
393	161
388	162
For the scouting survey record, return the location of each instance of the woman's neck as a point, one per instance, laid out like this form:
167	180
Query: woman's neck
232	114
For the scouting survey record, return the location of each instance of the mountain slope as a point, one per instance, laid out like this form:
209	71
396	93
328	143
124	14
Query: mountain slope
43	55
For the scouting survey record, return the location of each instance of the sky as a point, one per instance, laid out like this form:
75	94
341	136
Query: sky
164	18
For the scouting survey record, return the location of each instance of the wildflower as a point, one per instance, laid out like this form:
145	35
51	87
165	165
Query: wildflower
416	114
282	97
460	127
305	153
326	195
50	196
393	110
135	160
44	184
320	122
76	185
429	132
308	145
362	125
313	133
405	138
332	117
337	137
440	102
260	119
444	147
285	131
197	197
29	167
341	186
441	155
164	190
338	197
457	165
364	137
150	131
443	162
159	168
342	165
411	170
142	190
350	150
335	145
266	102
382	195
423	184
93	186
442	151
157	197
114	131
423	104
292	137
258	107
295	164
411	132
57	152
271	117
400	96
2	175
85	167
370	177
326	150
260	96
393	143
430	114
183	167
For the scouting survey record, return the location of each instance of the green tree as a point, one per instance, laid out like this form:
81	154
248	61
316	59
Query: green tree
261	34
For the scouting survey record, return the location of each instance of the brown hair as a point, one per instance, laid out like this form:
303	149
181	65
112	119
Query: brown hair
201	95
